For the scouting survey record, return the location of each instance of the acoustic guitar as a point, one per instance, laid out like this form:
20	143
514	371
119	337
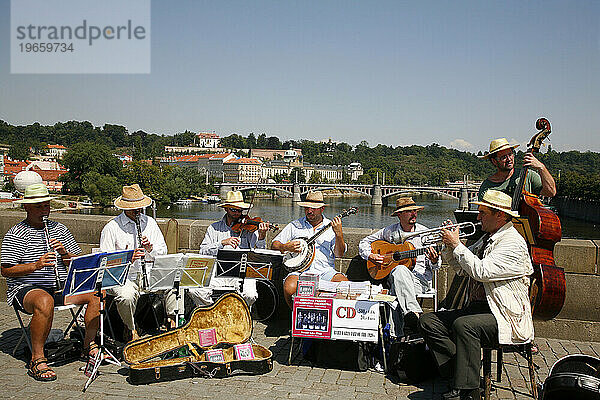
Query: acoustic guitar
394	255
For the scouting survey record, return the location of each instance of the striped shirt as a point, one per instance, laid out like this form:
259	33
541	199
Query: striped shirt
25	244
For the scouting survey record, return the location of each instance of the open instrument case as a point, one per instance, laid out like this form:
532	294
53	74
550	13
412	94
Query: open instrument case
230	316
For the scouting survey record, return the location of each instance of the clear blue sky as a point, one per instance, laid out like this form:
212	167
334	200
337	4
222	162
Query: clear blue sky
456	73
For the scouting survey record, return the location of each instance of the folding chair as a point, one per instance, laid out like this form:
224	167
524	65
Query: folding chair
431	293
24	334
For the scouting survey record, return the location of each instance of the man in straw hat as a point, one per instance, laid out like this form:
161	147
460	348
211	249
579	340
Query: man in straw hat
328	246
28	261
505	179
405	284
497	309
121	233
219	235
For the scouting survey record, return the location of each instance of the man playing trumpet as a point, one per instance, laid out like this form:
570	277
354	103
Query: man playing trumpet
497	310
34	257
405	284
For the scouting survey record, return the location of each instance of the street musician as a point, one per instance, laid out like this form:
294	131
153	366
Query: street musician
404	283
35	256
134	230
497	311
220	235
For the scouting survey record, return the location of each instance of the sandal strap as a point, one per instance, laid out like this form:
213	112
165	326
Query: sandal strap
38	361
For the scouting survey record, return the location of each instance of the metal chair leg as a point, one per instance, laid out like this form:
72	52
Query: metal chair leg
487	373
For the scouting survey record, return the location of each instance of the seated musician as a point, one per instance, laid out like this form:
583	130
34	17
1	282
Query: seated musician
405	284
497	309
121	233
219	235
30	255
328	246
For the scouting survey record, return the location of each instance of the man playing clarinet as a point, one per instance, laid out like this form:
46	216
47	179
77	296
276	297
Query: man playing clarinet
134	230
35	256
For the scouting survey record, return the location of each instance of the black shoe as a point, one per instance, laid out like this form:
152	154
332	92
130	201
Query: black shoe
470	394
453	394
411	320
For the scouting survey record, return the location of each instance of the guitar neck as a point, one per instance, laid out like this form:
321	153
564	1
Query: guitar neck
316	235
401	255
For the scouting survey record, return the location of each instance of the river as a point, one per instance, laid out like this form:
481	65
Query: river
283	210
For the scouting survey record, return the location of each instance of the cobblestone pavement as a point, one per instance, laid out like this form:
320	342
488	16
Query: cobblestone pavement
298	381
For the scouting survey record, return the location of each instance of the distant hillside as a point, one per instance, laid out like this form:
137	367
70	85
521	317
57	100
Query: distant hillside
577	173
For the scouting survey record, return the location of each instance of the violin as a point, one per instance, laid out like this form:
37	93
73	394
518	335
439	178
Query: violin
246	223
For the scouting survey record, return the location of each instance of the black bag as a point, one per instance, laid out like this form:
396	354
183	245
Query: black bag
339	354
417	362
574	377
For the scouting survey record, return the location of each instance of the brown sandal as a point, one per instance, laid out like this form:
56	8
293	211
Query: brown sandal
87	352
37	373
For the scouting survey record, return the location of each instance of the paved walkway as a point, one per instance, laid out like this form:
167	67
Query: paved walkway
299	381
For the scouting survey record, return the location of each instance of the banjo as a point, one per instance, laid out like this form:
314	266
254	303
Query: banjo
298	262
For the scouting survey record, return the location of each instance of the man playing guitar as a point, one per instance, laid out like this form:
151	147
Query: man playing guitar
405	284
328	246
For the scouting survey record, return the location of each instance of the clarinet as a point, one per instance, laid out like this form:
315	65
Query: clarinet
138	226
59	285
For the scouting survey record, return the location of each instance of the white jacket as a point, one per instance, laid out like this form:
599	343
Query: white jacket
504	272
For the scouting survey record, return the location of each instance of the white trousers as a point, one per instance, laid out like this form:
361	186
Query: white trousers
127	296
202	296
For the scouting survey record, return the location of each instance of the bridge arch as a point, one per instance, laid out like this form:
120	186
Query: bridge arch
280	191
405	191
305	189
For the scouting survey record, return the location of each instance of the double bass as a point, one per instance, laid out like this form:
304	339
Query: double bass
547	292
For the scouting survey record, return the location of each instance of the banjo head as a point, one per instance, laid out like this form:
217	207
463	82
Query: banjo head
297	262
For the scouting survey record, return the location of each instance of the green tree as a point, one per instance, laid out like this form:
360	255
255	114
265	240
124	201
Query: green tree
86	157
19	151
100	188
315	177
296	171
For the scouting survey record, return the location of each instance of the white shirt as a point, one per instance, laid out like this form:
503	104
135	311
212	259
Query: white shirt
324	245
219	231
120	233
504	271
423	269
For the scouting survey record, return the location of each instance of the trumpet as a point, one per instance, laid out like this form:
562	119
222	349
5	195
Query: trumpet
50	249
433	236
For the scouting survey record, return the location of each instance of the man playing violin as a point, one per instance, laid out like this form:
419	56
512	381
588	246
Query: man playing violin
405	284
29	259
506	179
327	247
497	310
228	233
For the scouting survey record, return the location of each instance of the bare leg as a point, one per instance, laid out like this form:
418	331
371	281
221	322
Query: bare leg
39	303
289	289
91	317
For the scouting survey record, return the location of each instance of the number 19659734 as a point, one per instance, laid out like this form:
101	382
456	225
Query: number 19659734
54	47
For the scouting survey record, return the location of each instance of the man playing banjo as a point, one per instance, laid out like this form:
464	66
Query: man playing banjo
328	246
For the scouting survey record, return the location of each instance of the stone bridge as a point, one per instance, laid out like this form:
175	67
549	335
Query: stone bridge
378	193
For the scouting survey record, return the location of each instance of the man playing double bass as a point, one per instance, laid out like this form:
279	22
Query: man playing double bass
506	179
497	310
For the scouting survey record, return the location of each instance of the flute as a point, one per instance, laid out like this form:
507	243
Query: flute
138	226
56	274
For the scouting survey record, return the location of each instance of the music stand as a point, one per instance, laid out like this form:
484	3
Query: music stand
180	271
112	269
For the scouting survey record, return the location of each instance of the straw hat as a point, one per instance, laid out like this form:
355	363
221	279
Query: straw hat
498	145
36	193
498	201
406	204
235	199
132	198
314	199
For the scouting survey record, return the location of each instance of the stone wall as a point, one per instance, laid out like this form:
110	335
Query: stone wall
578	320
